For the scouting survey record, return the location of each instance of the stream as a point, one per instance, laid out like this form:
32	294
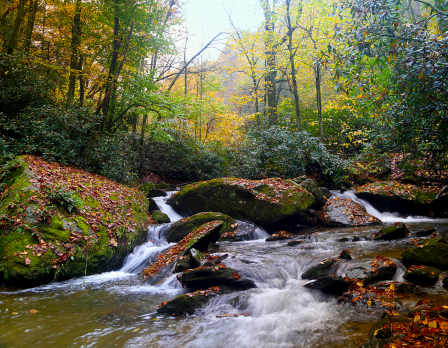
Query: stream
118	309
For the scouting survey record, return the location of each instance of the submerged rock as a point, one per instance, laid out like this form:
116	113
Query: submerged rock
434	252
396	231
62	221
425	232
295	242
260	201
422	275
231	230
280	235
345	212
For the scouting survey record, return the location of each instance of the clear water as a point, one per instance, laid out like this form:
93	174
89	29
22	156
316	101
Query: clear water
118	309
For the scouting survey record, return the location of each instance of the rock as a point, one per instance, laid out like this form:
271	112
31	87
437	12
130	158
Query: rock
280	235
346	212
398	287
67	222
380	268
231	230
183	263
445	281
396	231
345	255
312	188
433	253
219	275
198	239
330	285
325	192
295	242
422	275
196	257
152	205
387	196
156	193
425	232
320	270
260	201
159	217
187	303
343	240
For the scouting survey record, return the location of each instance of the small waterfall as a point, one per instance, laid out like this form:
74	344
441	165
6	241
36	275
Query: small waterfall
165	208
384	217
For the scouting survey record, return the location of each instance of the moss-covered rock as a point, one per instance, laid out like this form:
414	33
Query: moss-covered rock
406	199
432	252
312	188
422	275
230	229
346	212
320	270
58	221
261	201
159	217
396	231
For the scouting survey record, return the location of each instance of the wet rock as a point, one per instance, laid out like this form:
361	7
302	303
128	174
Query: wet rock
346	212
156	193
445	281
280	235
152	205
359	239
182	263
434	252
159	217
196	258
221	276
399	287
422	275
260	201
312	188
345	255
380	268
425	232
295	242
387	196
396	231
320	270
343	240
330	285
187	303
232	229
325	192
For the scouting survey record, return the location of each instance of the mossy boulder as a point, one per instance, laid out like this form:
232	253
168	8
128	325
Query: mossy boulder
396	231
160	218
260	201
346	212
312	188
387	196
422	275
322	269
231	230
432	252
62	222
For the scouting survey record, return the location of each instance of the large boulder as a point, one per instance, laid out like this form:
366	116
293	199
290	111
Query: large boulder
391	196
432	252
422	275
346	212
231	229
260	201
65	222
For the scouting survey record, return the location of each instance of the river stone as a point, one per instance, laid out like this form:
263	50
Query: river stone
232	230
182	264
280	235
434	252
41	240
322	269
329	284
159	217
345	255
346	212
396	231
422	275
295	242
221	276
260	201
152	205
425	232
380	268
391	196
183	304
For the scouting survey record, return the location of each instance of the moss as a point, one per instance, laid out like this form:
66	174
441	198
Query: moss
146	187
434	254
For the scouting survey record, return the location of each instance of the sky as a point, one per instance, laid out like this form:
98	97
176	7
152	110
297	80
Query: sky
204	19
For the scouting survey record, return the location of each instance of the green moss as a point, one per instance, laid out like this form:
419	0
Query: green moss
433	254
146	187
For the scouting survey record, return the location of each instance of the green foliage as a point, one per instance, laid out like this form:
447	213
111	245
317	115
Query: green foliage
66	199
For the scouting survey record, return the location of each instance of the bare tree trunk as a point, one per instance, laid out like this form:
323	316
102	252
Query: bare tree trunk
81	81
76	38
30	25
319	100
186	71
12	42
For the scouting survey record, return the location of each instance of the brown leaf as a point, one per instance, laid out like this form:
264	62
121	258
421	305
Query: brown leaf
27	261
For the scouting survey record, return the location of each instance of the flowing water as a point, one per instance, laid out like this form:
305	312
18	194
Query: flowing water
118	309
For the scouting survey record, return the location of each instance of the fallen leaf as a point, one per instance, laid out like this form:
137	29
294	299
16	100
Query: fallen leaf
33	311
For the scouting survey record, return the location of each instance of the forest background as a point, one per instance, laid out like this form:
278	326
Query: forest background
338	90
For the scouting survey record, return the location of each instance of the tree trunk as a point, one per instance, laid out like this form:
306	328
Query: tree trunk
12	42
319	101
81	81
76	38
30	25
